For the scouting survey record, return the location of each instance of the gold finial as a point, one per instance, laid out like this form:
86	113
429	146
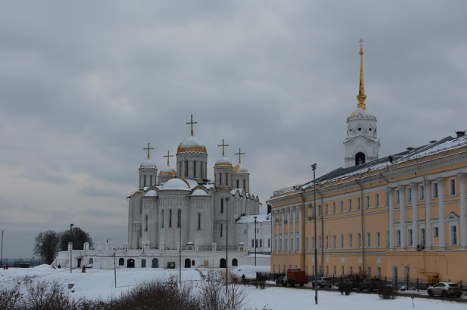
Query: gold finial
223	144
168	157
239	154
192	123
148	148
361	91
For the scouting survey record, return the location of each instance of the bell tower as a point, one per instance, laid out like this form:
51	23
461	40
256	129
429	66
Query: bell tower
362	143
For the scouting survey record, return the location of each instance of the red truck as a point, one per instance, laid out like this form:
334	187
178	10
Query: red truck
293	277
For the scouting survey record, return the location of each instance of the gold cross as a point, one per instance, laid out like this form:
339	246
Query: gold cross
168	156
239	154
191	123
148	148
223	144
361	43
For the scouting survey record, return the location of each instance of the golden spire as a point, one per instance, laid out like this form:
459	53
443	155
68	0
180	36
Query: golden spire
361	91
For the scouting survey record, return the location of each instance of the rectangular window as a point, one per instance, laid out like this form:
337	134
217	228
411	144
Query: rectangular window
397	196
367	198
377	200
342	206
319	242
378	239
162	219
179	218
334	241
435	231
326	210
342	241
350	240
342	270
334	270
199	221
359	241
398	237
435	190
410	237
452	186
421	192
358	203
306	243
244	184
222	205
422	235
222	228
409	194
368	239
378	271
368	272
453	235
327	242
350	204
333	207
312	242
170	218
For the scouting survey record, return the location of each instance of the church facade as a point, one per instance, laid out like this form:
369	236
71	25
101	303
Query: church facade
400	217
181	218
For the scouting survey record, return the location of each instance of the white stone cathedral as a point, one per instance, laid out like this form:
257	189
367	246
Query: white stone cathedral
180	217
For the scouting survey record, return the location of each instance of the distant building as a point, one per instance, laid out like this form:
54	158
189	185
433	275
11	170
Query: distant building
183	210
402	216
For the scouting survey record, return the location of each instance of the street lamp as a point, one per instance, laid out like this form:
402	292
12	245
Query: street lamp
255	241
70	245
313	167
226	243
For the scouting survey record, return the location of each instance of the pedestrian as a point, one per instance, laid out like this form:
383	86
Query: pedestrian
6	266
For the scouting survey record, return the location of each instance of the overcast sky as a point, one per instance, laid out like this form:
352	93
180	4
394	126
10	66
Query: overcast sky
85	85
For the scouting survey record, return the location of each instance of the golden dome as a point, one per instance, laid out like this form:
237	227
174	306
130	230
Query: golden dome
191	145
223	161
240	169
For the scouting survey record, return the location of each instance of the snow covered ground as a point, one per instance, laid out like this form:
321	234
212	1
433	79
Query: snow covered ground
99	284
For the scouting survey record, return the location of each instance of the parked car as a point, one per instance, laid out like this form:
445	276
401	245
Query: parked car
445	289
370	284
323	282
351	282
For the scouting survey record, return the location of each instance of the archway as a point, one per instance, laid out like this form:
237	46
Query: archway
359	159
187	263
130	263
155	263
222	263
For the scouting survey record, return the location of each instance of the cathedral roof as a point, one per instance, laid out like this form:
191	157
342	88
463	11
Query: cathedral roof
191	145
176	184
240	169
168	171
361	114
151	193
199	192
147	163
223	161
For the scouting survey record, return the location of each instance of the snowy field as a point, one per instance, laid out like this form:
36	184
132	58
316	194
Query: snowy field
100	284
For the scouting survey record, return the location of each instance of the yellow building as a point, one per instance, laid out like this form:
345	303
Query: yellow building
400	217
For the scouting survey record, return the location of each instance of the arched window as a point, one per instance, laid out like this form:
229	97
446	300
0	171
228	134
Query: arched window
155	263
234	262
91	260
121	262
359	159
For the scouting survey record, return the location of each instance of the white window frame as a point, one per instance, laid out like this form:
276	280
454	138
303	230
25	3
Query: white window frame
452	186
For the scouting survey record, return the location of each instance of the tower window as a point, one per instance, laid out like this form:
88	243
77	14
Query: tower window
359	159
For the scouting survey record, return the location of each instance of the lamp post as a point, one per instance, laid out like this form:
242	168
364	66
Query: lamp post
180	251
1	259
226	243
255	241
313	167
70	245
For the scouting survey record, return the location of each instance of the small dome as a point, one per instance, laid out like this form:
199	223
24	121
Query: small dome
168	171
147	163
176	184
223	161
361	113
240	169
199	192
150	193
191	145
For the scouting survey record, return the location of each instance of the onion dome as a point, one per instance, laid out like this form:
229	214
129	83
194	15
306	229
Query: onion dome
168	171
191	145
223	161
147	163
240	169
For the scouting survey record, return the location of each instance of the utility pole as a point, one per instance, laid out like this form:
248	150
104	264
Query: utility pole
70	246
255	241
1	259
313	167
115	271
180	250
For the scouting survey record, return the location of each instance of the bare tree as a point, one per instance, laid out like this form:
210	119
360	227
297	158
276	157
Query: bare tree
46	245
75	235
